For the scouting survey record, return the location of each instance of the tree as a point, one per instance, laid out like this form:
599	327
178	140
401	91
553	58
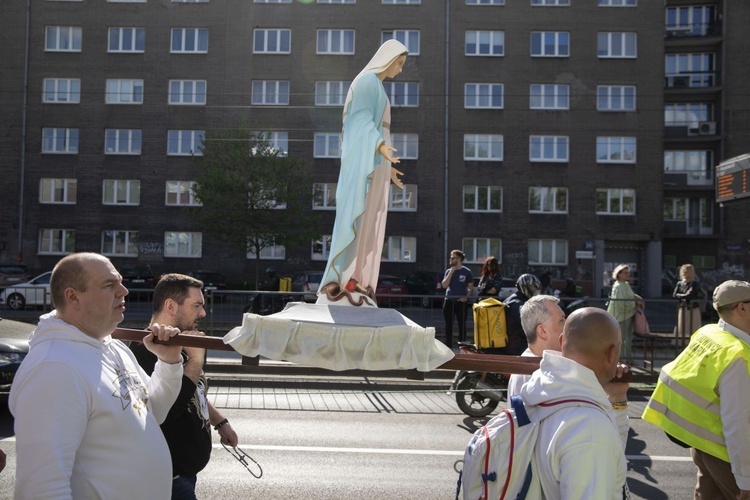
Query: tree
254	196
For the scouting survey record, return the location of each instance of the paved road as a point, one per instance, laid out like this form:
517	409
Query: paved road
325	440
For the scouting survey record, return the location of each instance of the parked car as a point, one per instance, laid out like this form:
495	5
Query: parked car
212	281
391	291
426	283
14	345
136	278
13	273
307	282
31	293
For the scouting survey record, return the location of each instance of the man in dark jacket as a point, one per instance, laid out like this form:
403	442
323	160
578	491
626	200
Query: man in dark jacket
178	301
528	286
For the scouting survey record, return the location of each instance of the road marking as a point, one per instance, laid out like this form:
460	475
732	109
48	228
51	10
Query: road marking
397	451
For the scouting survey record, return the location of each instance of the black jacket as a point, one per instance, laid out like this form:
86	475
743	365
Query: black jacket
187	433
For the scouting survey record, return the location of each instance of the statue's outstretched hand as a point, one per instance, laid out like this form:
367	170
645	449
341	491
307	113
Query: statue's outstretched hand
385	151
395	179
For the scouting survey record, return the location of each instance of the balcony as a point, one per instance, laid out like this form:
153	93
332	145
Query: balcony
693	226
706	130
694	30
692	80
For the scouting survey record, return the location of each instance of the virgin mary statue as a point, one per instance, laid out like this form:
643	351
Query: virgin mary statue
364	182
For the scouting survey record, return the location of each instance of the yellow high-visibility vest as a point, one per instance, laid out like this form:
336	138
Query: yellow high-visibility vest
685	403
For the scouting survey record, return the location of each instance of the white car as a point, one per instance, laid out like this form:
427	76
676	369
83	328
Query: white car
32	293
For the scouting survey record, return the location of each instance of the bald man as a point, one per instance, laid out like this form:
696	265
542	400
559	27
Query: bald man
86	415
580	450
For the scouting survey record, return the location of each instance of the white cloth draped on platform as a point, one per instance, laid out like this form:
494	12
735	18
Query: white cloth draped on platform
340	338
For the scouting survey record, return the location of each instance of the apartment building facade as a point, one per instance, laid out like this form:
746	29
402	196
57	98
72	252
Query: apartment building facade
555	134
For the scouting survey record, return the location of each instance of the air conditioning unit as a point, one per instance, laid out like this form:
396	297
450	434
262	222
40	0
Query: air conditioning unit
707	128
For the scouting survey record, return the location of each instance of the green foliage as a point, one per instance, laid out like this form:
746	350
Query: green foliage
244	184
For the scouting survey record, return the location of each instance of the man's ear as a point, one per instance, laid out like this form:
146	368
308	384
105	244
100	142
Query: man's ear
71	296
613	354
170	307
541	333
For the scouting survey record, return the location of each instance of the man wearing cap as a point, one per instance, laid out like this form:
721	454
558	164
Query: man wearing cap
702	399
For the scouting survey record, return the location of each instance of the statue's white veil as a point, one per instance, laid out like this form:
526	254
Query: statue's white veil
384	57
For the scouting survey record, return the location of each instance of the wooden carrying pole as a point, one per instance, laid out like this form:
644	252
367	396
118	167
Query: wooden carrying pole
521	365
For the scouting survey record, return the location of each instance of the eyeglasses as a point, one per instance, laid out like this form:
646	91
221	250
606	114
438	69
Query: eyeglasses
242	457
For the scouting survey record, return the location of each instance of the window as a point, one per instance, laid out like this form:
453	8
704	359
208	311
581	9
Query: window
189	1
549	96
265	199
58	191
483	199
122	141
63	38
676	209
57	241
399	249
617	45
320	248
331	93
127	40
615	149
687	114
62	90
485	43
615	98
272	41
350	2
278	141
697	165
548	148
401	2
190	92
478	249
270	252
124	92
270	92
185	142
410	38
548	252
182	244
550	44
335	42
272	1
121	192
402	94
557	3
407	146
483	147
181	194
189	41
126	1
548	200
327	145
324	196
617	3
615	201
120	243
403	200
60	140
483	96
696	20
485	2
690	70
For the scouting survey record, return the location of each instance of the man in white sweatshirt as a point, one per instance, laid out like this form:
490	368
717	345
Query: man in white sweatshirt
580	450
86	416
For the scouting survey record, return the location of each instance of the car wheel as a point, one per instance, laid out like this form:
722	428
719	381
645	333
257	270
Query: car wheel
16	301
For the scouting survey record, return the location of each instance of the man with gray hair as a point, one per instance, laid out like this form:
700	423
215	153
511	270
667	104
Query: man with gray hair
542	320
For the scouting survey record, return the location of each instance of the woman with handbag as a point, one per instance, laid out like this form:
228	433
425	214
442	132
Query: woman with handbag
623	306
688	309
491	280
